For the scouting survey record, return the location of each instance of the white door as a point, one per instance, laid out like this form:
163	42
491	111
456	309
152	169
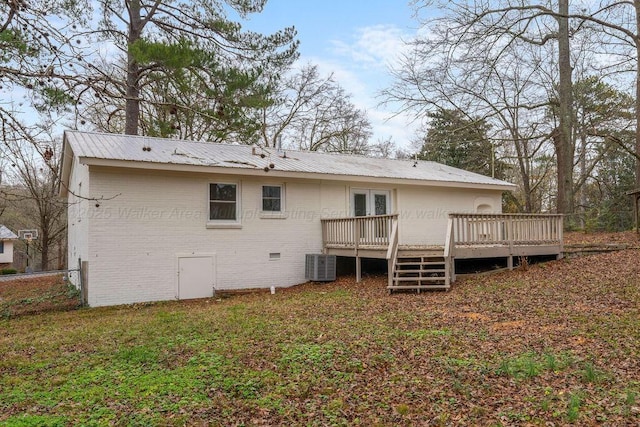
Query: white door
370	202
195	276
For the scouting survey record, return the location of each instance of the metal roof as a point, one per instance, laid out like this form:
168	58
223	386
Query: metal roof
127	148
6	234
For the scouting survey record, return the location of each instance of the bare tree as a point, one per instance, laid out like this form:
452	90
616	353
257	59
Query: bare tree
473	45
384	148
316	113
562	135
32	184
37	60
619	24
510	89
602	115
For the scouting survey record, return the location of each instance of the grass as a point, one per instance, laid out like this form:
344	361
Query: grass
552	344
36	295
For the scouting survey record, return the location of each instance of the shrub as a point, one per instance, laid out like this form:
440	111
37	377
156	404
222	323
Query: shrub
8	271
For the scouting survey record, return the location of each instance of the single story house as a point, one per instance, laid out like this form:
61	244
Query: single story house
158	219
6	245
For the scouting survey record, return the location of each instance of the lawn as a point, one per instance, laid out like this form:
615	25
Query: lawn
36	294
555	344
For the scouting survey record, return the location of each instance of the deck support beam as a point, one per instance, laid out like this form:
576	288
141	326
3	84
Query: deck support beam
358	269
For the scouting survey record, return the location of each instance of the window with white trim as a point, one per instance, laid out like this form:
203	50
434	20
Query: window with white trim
272	198
223	202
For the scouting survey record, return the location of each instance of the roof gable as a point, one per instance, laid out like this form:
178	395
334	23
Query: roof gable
6	234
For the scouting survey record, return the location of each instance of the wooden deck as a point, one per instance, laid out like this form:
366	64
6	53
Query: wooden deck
468	236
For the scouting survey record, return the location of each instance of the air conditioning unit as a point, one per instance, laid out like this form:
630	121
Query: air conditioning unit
320	268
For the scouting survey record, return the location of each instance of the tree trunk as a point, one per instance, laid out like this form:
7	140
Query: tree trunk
636	4
562	140
132	102
44	252
524	164
62	255
582	205
526	182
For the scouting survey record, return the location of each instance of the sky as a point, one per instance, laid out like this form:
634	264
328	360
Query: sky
357	41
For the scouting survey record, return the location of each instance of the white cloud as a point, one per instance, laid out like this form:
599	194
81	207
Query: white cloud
386	125
360	66
349	79
364	88
376	46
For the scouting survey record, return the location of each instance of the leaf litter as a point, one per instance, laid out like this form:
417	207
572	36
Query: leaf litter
553	344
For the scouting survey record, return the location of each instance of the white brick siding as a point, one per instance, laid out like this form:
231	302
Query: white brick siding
6	257
134	237
423	211
78	218
146	218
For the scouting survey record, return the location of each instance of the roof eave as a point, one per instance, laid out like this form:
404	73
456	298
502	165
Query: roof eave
132	164
67	161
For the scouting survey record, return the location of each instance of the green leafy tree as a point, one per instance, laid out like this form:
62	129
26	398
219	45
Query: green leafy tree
607	206
456	140
603	116
220	106
166	48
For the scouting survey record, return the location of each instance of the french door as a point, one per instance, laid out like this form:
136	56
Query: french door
367	203
370	202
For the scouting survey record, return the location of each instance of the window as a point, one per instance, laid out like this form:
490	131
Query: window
223	202
272	198
1	246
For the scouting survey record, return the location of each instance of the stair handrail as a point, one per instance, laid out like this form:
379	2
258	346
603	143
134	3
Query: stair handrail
392	250
449	239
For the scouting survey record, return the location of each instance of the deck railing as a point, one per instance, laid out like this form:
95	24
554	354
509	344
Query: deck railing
463	230
504	229
361	231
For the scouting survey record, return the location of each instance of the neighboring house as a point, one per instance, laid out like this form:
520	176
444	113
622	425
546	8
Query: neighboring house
6	245
159	219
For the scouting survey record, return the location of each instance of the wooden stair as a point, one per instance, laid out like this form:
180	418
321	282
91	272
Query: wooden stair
427	271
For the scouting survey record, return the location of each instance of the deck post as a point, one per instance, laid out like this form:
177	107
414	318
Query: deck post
510	262
356	232
449	256
358	269
324	236
392	252
560	237
447	271
84	281
452	268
